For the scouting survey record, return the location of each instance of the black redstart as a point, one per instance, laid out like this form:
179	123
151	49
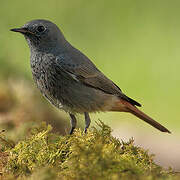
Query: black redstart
69	80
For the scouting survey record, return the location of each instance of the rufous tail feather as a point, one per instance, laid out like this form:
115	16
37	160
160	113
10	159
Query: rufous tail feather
125	106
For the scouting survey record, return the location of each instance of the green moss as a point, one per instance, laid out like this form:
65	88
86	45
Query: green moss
95	155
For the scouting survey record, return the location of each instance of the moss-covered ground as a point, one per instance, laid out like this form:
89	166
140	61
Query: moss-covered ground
96	155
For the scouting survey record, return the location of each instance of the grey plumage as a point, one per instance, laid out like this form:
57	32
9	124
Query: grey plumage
67	78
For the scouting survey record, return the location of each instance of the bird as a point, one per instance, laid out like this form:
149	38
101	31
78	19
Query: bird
69	80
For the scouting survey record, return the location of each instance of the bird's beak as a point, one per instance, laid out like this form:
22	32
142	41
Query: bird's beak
22	30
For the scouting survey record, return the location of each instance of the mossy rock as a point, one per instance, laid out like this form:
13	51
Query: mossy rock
95	155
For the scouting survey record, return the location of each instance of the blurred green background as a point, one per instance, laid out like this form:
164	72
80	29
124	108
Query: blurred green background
136	43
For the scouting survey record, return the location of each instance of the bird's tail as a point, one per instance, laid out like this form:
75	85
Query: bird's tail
125	106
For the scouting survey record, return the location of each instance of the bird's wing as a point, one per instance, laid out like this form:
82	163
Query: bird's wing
83	70
87	73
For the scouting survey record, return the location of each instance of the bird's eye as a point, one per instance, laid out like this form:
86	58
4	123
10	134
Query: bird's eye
40	28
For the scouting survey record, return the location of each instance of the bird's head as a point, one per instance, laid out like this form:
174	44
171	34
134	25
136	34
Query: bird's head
41	34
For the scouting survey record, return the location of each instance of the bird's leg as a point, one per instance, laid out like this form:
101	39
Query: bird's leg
73	122
87	121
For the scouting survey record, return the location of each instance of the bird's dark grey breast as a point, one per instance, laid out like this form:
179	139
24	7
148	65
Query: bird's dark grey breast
60	87
45	76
